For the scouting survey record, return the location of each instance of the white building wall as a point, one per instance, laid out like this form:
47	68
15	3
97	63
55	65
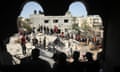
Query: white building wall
39	19
90	20
95	24
80	20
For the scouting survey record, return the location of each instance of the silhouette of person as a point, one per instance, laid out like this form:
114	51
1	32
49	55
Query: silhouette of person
76	65
55	57
44	30
38	29
27	38
5	57
6	60
61	65
100	59
47	29
91	65
40	43
41	28
44	42
35	64
33	30
51	31
35	41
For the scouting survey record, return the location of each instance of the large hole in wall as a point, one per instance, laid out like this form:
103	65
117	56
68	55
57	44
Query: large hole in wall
75	31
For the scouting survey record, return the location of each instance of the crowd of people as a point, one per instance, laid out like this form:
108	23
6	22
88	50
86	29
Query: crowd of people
34	64
41	43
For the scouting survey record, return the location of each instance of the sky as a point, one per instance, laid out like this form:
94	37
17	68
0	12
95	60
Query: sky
77	9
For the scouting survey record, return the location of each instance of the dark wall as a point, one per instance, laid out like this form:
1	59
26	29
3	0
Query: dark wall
112	48
11	9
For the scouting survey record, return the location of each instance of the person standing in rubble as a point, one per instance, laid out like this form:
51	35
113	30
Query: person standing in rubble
23	44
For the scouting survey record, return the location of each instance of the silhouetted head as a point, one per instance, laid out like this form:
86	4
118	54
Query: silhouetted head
35	53
55	56
62	57
76	55
3	44
89	56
